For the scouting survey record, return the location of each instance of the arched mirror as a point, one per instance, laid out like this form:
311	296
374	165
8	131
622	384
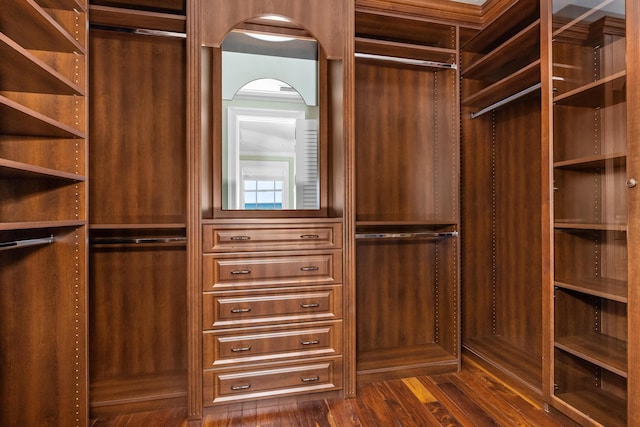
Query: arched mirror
270	122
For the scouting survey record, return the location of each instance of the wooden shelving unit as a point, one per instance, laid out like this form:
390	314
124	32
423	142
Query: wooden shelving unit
591	287
137	251
43	222
406	225
502	195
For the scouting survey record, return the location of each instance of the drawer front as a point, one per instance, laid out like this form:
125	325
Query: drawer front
272	343
237	309
255	383
224	272
235	238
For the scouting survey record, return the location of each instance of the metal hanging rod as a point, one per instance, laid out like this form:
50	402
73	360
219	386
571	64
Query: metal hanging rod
428	235
506	100
136	240
26	242
408	61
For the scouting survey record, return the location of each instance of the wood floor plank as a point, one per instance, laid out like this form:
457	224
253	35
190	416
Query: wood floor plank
495	404
414	405
402	410
476	414
344	413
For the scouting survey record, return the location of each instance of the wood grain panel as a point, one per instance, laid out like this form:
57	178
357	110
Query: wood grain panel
138	154
396	288
42	333
394	144
138	311
324	19
518	220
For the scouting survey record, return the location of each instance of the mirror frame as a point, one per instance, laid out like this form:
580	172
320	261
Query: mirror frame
277	28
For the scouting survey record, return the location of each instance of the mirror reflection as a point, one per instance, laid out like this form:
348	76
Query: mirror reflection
270	122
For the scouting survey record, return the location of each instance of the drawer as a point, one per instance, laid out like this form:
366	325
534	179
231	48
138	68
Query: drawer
235	309
237	238
272	381
272	343
268	269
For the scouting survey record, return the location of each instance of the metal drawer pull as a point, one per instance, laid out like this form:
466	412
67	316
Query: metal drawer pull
240	238
311	305
241	310
241	272
310	268
310	236
241	387
309	379
313	342
239	349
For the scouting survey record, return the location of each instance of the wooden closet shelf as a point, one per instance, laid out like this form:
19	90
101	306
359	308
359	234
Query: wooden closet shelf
601	350
11	169
578	224
137	19
136	389
522	80
601	161
418	356
63	4
605	92
518	363
615	290
40	225
604	407
140	226
21	71
584	17
406	29
504	26
501	61
44	32
392	49
16	119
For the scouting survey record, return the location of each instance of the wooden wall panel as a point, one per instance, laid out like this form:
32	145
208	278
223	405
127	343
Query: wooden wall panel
519	225
138	131
395	161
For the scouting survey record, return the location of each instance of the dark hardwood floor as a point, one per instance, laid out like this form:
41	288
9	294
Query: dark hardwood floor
470	398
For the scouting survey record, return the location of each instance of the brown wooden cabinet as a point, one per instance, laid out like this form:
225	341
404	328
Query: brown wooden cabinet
272	317
43	212
503	195
594	188
406	196
138	204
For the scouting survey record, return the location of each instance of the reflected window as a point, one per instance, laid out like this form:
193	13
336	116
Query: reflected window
270	122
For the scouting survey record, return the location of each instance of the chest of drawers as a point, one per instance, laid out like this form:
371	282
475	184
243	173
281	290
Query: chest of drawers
272	310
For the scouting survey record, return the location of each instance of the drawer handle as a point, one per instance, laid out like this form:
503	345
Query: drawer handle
240	238
310	268
311	305
309	379
241	387
313	342
240	349
310	236
241	272
241	310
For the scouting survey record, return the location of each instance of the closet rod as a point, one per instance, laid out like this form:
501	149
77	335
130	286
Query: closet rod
25	242
408	61
136	240
139	31
506	100
430	235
